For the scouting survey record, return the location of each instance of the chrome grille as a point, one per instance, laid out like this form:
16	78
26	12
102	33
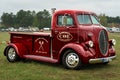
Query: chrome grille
103	42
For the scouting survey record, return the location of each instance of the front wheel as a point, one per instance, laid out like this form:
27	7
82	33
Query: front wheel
11	54
71	60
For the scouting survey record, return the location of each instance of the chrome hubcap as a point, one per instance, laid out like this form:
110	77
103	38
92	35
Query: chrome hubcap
11	53
72	60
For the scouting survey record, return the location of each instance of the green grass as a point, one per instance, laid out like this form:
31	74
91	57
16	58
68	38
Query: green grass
34	70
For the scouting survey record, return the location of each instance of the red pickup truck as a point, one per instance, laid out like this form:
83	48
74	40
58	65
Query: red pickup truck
76	38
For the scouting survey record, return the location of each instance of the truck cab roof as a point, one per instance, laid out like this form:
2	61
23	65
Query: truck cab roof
74	11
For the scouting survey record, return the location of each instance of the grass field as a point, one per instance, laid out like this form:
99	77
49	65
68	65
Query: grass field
33	70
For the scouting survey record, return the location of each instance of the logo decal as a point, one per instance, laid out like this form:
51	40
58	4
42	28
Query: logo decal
64	36
41	42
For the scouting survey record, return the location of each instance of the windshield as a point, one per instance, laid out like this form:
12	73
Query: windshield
87	19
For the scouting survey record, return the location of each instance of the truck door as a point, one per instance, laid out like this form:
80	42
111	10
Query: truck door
41	45
63	33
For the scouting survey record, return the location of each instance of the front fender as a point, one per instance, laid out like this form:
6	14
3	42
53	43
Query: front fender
20	49
112	51
84	55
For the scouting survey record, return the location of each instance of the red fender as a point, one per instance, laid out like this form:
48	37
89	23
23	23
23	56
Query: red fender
20	49
85	55
112	51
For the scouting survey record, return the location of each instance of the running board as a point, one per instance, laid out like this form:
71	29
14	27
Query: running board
41	58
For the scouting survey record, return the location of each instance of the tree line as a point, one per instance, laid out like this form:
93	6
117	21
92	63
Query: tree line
26	18
109	21
42	19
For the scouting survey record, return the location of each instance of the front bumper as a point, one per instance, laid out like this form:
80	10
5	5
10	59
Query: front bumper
101	60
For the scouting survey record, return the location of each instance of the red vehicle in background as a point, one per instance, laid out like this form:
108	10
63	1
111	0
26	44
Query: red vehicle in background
76	38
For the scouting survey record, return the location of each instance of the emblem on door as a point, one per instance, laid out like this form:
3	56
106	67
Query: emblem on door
64	36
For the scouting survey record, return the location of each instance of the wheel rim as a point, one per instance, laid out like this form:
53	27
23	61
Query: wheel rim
11	53
72	60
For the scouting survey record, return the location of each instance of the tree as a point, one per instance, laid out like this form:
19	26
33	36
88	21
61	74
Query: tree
113	21
44	19
24	18
35	21
103	19
8	19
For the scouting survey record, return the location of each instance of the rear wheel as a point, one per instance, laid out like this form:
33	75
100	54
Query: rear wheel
11	54
71	60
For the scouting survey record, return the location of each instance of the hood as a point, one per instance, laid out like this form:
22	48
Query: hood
98	35
101	41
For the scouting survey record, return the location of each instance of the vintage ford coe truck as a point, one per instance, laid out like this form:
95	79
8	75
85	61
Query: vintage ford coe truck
76	38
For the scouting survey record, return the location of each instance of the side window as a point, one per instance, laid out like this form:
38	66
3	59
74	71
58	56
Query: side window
84	19
65	20
94	19
59	20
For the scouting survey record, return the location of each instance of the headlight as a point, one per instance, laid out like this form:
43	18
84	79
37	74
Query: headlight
113	42
89	44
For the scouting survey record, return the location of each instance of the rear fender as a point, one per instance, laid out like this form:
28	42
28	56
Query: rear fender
20	49
84	55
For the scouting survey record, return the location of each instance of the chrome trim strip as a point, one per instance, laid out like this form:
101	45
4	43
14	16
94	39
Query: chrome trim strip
51	47
101	60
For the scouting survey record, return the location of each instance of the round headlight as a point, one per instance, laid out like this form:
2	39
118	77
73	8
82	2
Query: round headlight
113	42
90	43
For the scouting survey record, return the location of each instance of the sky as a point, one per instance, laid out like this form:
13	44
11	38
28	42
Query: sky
109	7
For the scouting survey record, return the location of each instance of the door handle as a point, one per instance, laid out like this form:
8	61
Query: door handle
56	31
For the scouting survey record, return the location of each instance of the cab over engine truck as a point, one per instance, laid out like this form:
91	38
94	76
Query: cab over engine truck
76	38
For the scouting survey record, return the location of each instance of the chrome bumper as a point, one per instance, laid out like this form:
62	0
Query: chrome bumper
101	60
